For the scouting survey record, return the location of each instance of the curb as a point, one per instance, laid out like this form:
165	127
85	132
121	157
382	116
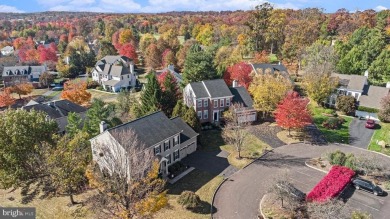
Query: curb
363	149
261	211
224	180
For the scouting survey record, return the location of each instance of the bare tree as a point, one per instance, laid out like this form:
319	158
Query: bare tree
331	209
128	174
368	164
235	131
286	192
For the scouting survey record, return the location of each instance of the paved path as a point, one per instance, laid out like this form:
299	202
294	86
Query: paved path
360	136
239	196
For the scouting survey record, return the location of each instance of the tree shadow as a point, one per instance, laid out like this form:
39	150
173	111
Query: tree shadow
34	188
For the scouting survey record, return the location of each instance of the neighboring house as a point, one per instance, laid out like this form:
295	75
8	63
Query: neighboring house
241	96
57	110
171	69
8	50
17	74
366	95
115	73
271	68
212	97
170	140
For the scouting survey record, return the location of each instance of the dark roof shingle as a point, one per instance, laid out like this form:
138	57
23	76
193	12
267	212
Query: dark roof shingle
56	109
211	88
241	95
187	133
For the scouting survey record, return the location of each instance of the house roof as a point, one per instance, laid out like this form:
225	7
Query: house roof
23	70
112	83
113	65
112	60
150	129
241	95
55	109
273	67
211	88
353	82
178	77
187	133
372	96
7	48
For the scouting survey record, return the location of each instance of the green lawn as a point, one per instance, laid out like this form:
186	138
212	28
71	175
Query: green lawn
105	96
253	147
381	134
333	136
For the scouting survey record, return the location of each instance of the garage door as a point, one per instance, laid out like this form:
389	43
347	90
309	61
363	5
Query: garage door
187	150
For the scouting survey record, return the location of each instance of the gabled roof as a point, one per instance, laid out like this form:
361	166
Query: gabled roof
272	67
114	65
187	133
353	82
55	109
111	82
372	96
241	95
112	60
23	70
7	48
150	129
211	88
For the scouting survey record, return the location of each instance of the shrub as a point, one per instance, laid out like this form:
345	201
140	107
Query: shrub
340	158
92	84
189	200
333	123
346	104
350	162
384	113
332	184
368	109
387	185
360	215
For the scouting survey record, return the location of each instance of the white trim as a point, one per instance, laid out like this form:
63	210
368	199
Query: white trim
206	114
200	116
216	111
215	106
222	103
206	102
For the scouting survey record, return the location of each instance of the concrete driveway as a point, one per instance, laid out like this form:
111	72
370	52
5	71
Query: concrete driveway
360	136
240	195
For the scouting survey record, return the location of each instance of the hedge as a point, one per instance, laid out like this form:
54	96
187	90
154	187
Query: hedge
368	109
331	185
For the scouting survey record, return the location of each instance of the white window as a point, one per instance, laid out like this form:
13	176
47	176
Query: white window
200	114
175	141
215	103
227	102
222	102
157	150
205	114
176	155
199	104
206	103
168	158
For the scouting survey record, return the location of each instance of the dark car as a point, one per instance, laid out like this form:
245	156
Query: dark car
370	124
290	189
363	184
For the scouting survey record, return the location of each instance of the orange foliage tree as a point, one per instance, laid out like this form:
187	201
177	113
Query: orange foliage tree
5	98
76	91
22	89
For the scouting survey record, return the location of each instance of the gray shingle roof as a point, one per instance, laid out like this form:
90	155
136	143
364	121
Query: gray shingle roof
150	129
241	95
7	48
187	133
23	70
56	109
111	66
272	67
372	96
113	59
111	82
211	88
353	82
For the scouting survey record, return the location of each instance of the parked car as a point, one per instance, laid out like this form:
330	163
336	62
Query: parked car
366	185
370	124
290	189
57	89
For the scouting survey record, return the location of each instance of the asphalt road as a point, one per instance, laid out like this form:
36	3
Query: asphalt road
360	136
239	197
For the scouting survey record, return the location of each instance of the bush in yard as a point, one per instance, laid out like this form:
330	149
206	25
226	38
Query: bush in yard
333	123
360	215
189	200
350	161
340	158
92	84
384	112
331	185
346	104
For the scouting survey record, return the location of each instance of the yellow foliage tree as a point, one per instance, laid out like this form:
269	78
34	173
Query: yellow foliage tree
205	35
125	36
319	86
76	92
22	89
268	90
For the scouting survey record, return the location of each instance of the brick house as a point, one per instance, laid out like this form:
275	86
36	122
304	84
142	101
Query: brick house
212	97
20	74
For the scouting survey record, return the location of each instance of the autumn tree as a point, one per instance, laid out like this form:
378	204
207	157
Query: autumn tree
125	36
346	104
205	35
145	41
128	50
47	54
46	79
241	73
170	92
182	53
23	143
225	57
319	86
138	193
384	112
168	58
76	92
235	132
68	162
22	89
268	90
198	65
292	112
5	98
106	49
258	24
153	56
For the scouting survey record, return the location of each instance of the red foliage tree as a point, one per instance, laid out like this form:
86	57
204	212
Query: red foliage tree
292	112
168	57
47	54
5	98
239	72
127	50
261	57
64	38
115	38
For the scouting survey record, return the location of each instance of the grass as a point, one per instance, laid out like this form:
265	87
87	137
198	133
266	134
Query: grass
200	182
55	207
252	149
340	135
283	136
53	94
35	92
105	96
381	134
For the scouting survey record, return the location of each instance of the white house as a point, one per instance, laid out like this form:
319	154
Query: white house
115	73
8	50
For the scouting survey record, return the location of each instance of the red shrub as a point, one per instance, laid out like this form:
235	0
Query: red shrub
332	184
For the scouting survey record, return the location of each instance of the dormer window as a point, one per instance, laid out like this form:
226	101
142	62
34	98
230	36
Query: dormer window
8	72
17	72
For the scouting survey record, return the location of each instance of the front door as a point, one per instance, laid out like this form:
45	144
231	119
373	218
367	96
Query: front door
216	116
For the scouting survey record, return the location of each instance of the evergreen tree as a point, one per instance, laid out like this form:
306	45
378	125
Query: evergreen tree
98	112
170	94
74	124
198	65
180	109
192	119
151	96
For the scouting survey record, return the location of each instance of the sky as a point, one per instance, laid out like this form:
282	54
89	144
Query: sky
151	6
